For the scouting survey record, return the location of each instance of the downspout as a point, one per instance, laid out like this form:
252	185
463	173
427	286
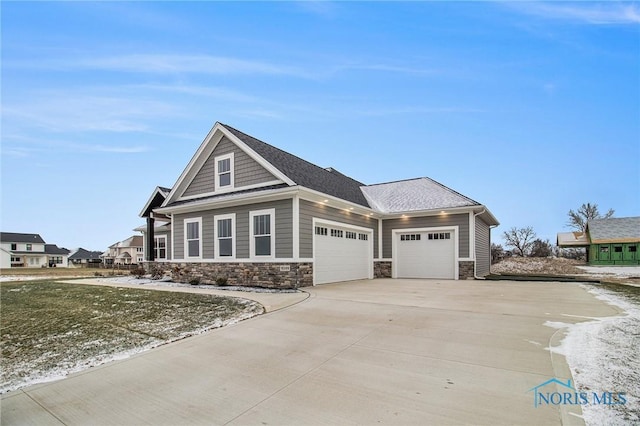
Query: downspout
475	252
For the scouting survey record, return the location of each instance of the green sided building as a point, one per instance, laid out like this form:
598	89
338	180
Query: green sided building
612	241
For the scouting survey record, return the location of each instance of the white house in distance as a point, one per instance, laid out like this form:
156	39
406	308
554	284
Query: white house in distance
19	250
125	252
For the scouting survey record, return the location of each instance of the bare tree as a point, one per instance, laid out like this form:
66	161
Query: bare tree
578	219
520	239
497	253
541	248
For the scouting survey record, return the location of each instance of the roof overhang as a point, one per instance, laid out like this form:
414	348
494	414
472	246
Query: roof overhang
572	239
157	198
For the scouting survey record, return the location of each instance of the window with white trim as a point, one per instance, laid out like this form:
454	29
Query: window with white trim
160	247
363	237
262	224
224	171
339	233
410	237
29	246
350	235
192	238
225	235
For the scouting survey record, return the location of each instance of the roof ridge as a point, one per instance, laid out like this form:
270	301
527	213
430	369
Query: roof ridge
395	181
276	148
452	190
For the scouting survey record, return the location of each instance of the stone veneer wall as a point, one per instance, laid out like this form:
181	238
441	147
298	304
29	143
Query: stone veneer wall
382	269
253	274
465	270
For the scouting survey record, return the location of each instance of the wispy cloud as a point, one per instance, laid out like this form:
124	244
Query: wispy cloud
606	13
152	63
114	149
70	112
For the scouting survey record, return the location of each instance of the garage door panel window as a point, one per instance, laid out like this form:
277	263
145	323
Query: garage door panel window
410	237
262	233
351	235
439	235
339	233
363	237
321	230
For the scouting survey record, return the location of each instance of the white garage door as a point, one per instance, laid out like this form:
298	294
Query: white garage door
425	254
341	253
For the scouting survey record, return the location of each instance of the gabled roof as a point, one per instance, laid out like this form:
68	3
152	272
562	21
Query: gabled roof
304	173
13	237
54	249
157	198
614	230
133	241
414	195
81	254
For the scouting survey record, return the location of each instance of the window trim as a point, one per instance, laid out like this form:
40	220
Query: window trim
156	249
252	235
216	249
197	220
231	171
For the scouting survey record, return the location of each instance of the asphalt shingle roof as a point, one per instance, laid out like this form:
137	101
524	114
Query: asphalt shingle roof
304	173
54	249
414	195
614	229
14	237
85	254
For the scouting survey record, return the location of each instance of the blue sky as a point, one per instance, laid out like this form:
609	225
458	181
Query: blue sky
529	108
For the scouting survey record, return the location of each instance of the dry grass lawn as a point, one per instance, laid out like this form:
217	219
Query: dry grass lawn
50	329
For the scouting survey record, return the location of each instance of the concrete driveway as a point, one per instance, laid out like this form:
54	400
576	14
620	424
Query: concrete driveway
367	352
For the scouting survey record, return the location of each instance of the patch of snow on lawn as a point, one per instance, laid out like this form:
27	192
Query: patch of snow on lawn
603	357
617	271
131	280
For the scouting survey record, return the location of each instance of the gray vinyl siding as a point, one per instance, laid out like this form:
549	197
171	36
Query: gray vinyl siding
283	229
309	210
483	248
246	170
460	220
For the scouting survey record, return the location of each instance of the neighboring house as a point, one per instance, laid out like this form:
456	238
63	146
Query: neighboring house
612	241
126	252
83	257
256	215
29	251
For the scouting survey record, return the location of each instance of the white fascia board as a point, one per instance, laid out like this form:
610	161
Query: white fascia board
231	200
153	195
258	158
337	203
196	162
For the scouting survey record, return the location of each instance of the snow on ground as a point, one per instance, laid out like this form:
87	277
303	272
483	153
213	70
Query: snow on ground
131	280
603	356
616	271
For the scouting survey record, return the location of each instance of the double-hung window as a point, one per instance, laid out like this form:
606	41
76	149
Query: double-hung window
225	235
160	248
263	239
193	238
224	171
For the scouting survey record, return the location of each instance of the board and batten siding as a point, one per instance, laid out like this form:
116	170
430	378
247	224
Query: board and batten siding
483	248
246	170
459	220
309	210
283	229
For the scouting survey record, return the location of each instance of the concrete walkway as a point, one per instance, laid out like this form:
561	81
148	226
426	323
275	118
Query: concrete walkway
368	352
